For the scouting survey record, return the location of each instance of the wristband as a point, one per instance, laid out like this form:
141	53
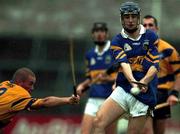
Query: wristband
174	92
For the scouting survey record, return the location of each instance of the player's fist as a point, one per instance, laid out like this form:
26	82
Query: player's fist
74	99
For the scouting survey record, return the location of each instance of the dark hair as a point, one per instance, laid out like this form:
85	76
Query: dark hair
151	17
22	74
99	26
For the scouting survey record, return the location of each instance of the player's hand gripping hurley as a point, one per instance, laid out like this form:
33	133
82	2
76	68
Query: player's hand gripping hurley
141	87
165	104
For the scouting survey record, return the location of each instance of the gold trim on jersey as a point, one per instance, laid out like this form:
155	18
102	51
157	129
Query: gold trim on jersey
115	48
137	67
152	56
136	63
95	73
168	85
121	55
136	60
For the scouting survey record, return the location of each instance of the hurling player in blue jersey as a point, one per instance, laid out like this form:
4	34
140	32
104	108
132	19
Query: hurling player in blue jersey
98	59
136	55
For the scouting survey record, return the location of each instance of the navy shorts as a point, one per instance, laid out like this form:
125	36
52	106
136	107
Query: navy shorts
165	112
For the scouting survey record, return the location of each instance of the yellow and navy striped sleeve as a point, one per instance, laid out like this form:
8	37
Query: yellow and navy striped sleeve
169	65
34	103
174	61
23	103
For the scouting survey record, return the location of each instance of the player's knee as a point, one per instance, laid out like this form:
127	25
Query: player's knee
98	121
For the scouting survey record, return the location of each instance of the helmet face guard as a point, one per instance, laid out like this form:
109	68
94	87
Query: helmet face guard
130	8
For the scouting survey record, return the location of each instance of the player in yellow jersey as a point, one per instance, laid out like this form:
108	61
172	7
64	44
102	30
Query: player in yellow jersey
168	79
15	96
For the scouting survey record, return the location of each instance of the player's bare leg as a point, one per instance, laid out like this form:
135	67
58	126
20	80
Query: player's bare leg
87	124
148	128
109	112
112	129
136	124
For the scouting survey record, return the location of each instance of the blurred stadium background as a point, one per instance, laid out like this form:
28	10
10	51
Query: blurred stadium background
37	33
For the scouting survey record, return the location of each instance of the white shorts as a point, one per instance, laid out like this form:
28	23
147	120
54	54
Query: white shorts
93	105
129	103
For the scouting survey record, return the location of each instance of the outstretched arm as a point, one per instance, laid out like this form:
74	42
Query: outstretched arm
53	101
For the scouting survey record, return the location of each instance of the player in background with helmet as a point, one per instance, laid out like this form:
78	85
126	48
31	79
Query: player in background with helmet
169	80
98	59
136	54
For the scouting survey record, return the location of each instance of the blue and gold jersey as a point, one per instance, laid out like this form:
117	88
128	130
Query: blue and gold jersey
169	65
141	54
96	64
